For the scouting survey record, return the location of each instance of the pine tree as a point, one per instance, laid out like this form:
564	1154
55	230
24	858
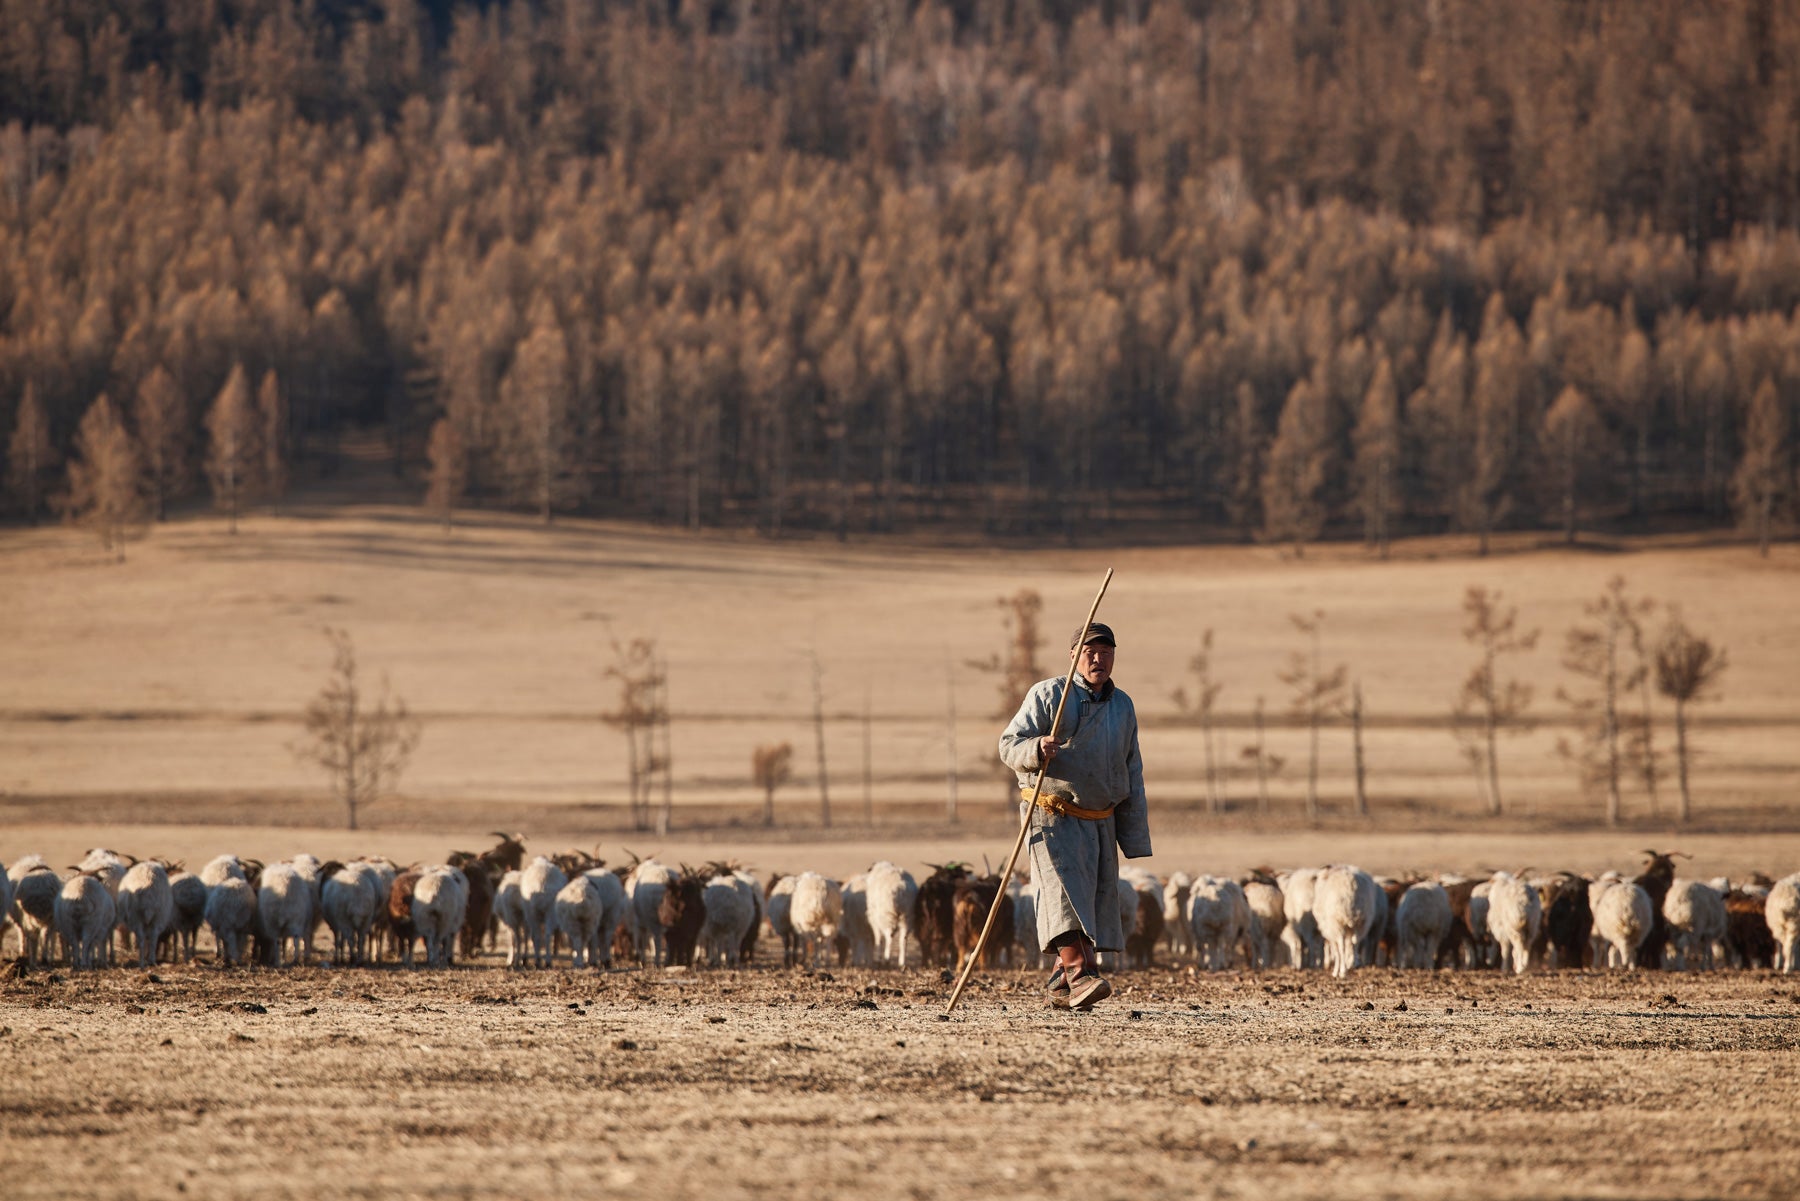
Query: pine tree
1571	429
1762	485
106	477
1293	509
271	414
162	424
30	455
449	471
1378	457
232	456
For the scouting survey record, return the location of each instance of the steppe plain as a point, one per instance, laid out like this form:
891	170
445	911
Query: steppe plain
150	706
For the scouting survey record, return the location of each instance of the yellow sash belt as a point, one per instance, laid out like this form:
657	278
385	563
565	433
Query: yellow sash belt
1062	806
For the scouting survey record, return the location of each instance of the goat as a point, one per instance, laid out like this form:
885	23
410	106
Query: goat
934	913
1568	928
1748	942
892	894
681	915
400	913
971	902
1655	879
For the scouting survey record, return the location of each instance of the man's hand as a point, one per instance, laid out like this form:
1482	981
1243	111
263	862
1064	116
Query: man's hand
1046	749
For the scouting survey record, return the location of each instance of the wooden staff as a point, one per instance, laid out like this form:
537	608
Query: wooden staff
1025	819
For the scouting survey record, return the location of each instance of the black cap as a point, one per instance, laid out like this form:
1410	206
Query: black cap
1095	633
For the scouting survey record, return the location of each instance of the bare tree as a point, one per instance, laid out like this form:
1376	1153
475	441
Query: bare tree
1597	652
1763	482
1262	762
1019	668
1316	693
818	692
1688	668
1199	708
1356	743
231	457
106	478
771	767
642	716
449	471
30	455
162	419
363	748
1498	705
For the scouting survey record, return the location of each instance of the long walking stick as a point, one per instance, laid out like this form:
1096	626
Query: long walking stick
1025	819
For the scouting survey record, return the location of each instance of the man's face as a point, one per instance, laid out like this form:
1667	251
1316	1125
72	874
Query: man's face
1093	662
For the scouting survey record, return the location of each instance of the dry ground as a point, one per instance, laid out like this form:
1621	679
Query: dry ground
479	1082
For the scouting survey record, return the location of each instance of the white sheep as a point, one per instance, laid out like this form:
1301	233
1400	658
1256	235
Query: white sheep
1421	920
385	872
146	907
284	912
350	896
778	908
1216	912
6	909
1515	914
892	894
509	910
1350	909
1483	951
34	888
222	868
644	888
190	912
818	907
1268	921
1128	920
1025	931
731	910
1622	917
231	913
577	914
856	937
84	918
1176	929
440	901
1695	913
1782	912
539	883
1301	934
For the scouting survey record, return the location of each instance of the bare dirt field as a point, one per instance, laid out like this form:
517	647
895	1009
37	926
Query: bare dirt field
480	1082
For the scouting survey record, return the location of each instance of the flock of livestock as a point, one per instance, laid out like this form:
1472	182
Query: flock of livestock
1336	918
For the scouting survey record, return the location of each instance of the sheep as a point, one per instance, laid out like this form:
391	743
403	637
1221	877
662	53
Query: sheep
231	914
1349	908
730	906
1147	931
747	944
892	894
1216	912
1422	920
35	886
856	937
1515	914
1748	942
1268	918
576	914
1128	916
84	918
480	876
284	909
146	907
509	907
778	902
1025	934
440	899
1483	951
222	868
6	901
1568	920
644	888
1695	915
539	882
349	896
1301	934
1655	879
385	871
189	895
1623	915
1782	913
1175	906
818	907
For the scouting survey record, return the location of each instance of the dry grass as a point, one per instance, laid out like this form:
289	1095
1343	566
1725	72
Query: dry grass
178	676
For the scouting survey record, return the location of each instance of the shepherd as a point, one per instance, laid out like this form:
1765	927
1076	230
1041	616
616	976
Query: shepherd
1090	806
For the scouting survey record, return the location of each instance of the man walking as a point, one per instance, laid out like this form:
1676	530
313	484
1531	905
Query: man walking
1091	807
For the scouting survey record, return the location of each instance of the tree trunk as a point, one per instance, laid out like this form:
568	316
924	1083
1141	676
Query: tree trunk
868	775
1610	730
819	746
1569	492
1262	774
1681	759
950	750
1492	724
1212	776
1356	713
768	805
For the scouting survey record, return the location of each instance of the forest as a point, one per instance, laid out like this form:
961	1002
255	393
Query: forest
1277	269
